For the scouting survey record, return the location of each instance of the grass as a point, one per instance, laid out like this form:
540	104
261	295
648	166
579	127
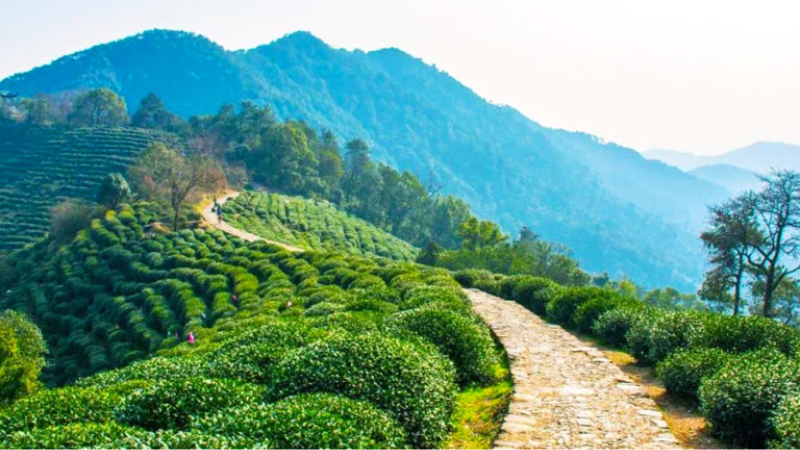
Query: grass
479	415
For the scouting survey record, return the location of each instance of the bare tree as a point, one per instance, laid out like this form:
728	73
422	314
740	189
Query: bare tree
165	174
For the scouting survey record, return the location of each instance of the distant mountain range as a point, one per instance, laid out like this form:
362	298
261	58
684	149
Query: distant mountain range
760	158
732	178
617	210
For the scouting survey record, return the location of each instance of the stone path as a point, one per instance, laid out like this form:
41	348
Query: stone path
211	217
567	394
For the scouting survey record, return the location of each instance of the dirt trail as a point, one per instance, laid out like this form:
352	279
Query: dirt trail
567	394
211	217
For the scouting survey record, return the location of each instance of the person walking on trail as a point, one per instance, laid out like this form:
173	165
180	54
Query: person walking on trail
191	338
219	214
235	299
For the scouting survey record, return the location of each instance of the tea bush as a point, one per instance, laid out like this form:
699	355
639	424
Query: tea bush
567	300
612	326
745	333
534	293
786	423
172	403
683	371
307	421
417	388
741	398
656	335
468	345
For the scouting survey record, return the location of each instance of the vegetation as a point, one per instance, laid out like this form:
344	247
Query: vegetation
739	368
311	224
366	374
22	351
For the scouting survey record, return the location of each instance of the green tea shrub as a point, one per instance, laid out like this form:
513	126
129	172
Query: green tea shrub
158	368
417	388
249	363
172	403
307	421
468	345
78	435
741	398
488	285
358	322
63	406
364	302
567	300
323	309
683	371
587	313
612	326
449	298
330	293
534	293
655	336
786	423
745	333
468	277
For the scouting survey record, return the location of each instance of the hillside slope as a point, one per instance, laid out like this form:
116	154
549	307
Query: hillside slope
509	168
40	166
733	178
312	225
759	157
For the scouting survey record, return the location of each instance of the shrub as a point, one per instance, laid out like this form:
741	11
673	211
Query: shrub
250	363
307	421
786	423
417	388
172	403
152	369
467	277
68	218
63	406
488	285
323	309
683	371
22	350
534	293
740	399
612	326
741	334
587	313
655	336
448	297
469	346
567	300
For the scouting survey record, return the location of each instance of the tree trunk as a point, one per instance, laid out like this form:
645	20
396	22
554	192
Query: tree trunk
737	295
175	218
768	288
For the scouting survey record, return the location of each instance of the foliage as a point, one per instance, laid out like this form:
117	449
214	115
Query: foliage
22	351
786	423
566	301
612	326
99	107
414	384
172	403
307	421
468	345
740	399
68	218
741	334
654	336
114	191
683	371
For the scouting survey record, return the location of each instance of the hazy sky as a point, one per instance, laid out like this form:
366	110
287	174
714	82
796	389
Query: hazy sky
702	76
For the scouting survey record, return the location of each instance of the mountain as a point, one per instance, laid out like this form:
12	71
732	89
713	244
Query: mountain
618	211
759	157
732	178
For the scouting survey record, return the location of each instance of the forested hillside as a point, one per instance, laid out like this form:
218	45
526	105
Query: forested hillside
417	118
41	166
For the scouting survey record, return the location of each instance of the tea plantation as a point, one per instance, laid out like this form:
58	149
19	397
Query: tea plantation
312	224
744	371
290	350
41	166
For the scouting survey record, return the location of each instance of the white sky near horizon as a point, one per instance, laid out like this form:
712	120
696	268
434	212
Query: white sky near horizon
697	76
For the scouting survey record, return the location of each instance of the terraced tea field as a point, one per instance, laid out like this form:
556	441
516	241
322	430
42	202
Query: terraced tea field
312	224
39	167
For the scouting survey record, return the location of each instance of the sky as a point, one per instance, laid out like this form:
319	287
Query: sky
698	76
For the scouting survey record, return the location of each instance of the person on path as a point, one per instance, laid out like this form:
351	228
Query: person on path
219	215
191	338
235	299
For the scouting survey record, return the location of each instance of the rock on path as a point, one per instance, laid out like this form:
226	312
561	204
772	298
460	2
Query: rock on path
211	217
566	394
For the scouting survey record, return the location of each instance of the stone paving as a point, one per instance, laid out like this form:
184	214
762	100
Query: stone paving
567	394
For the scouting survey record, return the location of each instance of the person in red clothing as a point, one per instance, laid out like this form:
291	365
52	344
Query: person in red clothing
191	338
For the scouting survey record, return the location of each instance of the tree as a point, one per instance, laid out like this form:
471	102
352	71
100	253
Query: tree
476	234
36	110
99	107
68	218
730	242
164	174
284	160
113	191
356	164
785	300
777	211
22	351
430	254
153	114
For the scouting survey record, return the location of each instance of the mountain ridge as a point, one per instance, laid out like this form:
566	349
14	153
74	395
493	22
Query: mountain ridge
416	117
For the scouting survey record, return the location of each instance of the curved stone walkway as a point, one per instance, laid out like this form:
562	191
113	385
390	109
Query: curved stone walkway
211	217
566	394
